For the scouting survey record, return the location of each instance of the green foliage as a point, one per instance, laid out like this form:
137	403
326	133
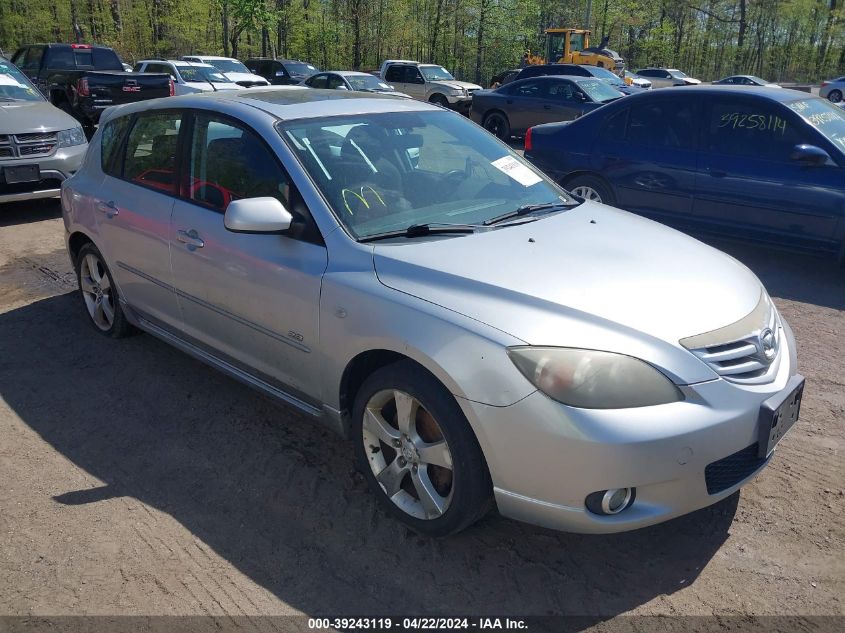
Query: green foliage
782	40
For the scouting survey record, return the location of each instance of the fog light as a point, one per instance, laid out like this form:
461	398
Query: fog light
611	501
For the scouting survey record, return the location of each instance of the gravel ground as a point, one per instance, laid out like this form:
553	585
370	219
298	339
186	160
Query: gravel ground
136	481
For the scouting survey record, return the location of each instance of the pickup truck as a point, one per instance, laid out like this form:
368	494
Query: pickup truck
83	80
428	82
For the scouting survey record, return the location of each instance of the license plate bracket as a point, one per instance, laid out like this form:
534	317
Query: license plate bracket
778	414
22	173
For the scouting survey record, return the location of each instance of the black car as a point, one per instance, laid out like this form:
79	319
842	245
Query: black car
513	108
576	70
751	163
83	79
280	72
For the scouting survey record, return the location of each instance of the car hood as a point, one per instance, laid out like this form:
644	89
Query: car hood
691	81
595	266
236	77
20	117
458	84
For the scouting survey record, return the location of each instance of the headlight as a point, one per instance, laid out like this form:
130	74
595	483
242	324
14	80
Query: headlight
593	380
456	92
71	137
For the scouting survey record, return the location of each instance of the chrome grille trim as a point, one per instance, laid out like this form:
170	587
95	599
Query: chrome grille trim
35	137
28	145
735	351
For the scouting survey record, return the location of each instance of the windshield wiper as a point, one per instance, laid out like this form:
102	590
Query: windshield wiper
530	208
422	230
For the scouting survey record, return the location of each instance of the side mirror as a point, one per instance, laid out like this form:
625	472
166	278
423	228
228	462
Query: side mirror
341	87
810	155
257	215
418	80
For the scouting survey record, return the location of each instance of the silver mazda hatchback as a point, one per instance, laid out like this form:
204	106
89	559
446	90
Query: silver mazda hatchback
396	272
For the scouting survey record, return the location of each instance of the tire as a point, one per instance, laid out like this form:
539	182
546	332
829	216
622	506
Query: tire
436	430
835	96
591	188
438	99
99	294
498	125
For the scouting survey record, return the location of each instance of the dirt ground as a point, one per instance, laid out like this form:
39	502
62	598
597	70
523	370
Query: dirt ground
135	480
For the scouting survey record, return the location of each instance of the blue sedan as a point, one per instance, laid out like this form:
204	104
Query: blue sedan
747	163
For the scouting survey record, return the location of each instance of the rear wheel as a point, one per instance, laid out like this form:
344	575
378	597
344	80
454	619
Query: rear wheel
835	96
497	124
99	294
591	188
417	451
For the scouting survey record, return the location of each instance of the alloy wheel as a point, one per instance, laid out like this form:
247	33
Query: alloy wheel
97	292
408	454
586	192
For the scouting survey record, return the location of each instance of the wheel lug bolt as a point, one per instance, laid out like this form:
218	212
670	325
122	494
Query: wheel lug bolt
402	461
416	468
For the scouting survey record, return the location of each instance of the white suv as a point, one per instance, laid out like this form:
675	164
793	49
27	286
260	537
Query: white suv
188	77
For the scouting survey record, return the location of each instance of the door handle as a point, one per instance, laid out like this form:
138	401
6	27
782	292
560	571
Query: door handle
191	238
109	208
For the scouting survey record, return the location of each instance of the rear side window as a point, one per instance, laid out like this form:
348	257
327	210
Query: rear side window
112	143
752	128
150	158
662	124
614	127
394	73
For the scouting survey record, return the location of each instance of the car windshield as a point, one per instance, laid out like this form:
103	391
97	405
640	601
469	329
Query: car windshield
300	68
606	75
598	90
14	86
677	74
436	73
385	172
825	117
228	65
367	82
199	73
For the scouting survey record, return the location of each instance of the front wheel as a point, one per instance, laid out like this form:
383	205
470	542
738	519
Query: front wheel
417	451
439	100
835	96
590	188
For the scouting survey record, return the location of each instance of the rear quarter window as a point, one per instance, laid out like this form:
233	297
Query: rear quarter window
111	159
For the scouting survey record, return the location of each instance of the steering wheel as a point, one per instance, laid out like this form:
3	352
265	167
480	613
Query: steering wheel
455	177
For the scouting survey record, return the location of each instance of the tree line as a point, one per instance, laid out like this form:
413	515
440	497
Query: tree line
781	40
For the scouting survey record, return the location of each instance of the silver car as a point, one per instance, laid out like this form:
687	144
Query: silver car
40	145
833	89
396	272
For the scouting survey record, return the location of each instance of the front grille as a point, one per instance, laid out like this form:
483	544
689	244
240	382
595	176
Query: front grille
736	352
35	137
28	145
729	471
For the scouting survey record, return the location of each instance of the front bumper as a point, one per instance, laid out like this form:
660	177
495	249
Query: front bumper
55	169
460	104
545	457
